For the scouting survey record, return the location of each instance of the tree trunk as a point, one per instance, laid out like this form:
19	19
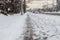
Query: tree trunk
22	7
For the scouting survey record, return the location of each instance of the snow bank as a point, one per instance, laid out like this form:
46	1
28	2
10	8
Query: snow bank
11	27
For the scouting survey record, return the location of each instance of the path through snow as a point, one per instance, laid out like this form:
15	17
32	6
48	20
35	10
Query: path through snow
45	27
30	27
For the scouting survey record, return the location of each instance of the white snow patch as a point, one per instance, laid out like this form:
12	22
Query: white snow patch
11	27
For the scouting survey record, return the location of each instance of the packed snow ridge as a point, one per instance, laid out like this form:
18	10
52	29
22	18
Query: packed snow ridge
30	27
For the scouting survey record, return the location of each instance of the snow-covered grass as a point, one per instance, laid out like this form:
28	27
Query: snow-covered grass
11	27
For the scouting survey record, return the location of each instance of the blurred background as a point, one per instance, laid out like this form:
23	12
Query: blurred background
17	6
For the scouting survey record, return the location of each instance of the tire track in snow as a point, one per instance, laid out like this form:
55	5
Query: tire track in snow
31	32
35	25
29	29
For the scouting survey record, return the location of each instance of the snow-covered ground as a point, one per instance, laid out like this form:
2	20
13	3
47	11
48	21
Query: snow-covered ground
11	27
47	27
42	26
53	12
